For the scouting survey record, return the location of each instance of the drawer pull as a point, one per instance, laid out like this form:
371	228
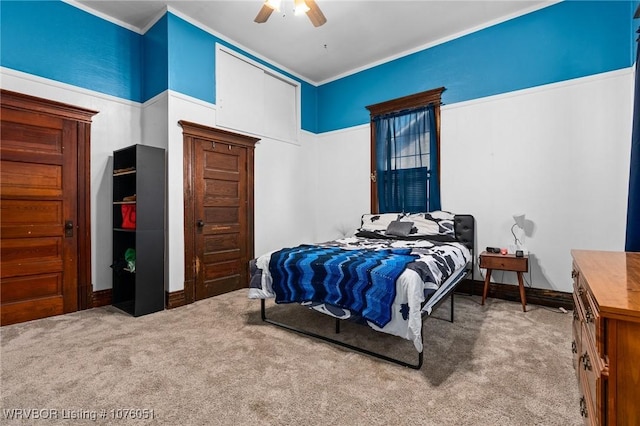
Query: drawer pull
588	314
583	407
574	273
586	362
575	315
574	347
580	291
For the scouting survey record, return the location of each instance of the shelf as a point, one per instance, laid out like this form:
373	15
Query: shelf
126	305
128	172
124	230
124	202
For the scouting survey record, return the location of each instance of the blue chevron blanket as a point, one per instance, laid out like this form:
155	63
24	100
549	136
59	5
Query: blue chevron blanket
363	281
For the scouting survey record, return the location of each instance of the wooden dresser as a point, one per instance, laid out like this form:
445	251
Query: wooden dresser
606	336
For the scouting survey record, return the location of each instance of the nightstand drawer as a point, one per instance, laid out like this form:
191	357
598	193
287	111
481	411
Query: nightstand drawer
506	262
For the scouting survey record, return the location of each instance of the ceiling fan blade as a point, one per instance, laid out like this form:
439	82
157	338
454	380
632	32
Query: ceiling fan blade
263	15
315	14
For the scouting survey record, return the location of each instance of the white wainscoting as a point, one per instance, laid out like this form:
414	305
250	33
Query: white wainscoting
559	153
343	173
116	126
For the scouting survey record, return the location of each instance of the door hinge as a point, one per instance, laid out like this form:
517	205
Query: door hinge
372	176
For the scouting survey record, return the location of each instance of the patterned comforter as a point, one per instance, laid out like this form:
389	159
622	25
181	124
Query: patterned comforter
430	266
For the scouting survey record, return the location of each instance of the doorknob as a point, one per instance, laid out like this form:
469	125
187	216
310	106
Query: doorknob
68	228
200	223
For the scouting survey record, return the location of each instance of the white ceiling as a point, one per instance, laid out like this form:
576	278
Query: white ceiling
357	34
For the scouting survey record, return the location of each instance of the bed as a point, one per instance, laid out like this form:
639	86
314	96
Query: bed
390	275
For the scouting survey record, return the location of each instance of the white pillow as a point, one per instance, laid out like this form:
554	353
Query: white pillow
432	223
378	222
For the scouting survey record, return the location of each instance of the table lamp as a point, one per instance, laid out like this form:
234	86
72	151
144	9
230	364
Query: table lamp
519	222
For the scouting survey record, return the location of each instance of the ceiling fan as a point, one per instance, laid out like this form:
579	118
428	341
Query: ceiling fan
309	7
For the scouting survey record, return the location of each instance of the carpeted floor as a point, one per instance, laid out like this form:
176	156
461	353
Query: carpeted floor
215	362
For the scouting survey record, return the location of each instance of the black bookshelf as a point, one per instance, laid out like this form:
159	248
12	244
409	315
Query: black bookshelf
139	170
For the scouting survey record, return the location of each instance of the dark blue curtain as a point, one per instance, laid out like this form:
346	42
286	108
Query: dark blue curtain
406	161
633	207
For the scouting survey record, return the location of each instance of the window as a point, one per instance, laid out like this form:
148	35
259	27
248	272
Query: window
405	153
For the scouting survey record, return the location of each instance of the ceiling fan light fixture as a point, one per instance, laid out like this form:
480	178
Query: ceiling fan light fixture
300	7
309	7
315	15
273	4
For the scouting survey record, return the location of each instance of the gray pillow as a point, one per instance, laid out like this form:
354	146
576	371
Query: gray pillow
400	229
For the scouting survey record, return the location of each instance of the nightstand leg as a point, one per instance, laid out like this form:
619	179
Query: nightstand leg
523	297
486	285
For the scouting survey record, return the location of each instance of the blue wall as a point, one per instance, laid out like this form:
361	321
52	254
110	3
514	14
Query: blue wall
560	42
54	40
156	64
192	60
571	39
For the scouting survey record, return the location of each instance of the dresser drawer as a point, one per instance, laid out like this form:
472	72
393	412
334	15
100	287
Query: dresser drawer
588	410
586	308
591	318
576	344
591	366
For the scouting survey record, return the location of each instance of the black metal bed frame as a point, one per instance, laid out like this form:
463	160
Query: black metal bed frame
465	233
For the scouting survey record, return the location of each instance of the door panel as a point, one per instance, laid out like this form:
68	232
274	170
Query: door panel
36	180
21	288
222	218
26	218
228	242
30	256
31	309
38	195
220	202
218	188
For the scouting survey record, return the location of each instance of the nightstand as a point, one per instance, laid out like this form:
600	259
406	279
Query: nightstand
504	262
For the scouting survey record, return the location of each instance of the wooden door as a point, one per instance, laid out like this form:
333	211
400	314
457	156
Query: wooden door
218	210
221	217
39	191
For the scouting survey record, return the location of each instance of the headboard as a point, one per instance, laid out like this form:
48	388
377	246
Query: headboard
464	229
465	232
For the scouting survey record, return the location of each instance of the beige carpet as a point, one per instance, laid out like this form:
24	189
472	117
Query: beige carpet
215	363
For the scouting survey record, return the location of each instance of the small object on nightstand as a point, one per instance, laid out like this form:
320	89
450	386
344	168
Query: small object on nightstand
493	249
503	251
519	253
